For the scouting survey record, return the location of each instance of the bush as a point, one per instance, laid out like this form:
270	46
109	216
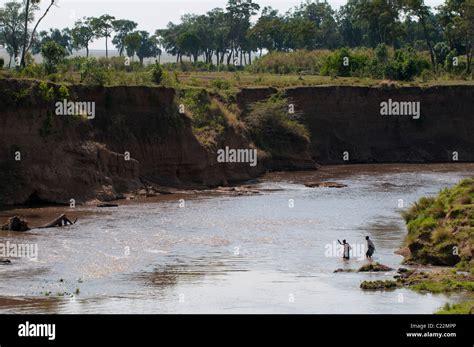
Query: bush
53	54
94	74
345	63
441	50
220	84
272	130
289	62
157	73
405	65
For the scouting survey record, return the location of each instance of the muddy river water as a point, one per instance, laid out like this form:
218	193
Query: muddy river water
273	252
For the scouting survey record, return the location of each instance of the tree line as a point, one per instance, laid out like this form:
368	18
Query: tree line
234	34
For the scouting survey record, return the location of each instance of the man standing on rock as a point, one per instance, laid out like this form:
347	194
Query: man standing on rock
371	248
347	248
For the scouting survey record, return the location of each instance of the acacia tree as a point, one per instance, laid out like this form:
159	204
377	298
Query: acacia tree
143	45
83	34
122	28
103	27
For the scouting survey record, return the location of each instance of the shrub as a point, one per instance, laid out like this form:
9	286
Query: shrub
220	84
53	54
405	65
272	129
157	73
94	74
441	50
345	63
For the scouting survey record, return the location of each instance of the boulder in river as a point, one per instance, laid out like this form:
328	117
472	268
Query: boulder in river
325	185
374	267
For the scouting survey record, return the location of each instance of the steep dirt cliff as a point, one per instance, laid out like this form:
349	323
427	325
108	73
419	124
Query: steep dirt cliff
45	157
347	119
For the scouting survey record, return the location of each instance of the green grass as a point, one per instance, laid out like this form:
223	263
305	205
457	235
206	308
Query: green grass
466	307
441	228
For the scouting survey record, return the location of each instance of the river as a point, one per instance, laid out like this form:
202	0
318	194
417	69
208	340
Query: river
219	253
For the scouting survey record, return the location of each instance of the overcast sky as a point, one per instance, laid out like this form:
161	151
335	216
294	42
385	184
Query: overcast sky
149	14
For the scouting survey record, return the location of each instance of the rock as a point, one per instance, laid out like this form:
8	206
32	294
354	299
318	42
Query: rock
379	285
325	185
107	205
404	252
374	267
242	190
404	273
16	224
165	190
343	270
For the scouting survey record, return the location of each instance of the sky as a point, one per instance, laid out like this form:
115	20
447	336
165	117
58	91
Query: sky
149	14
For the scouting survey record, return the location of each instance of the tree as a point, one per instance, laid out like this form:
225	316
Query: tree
268	33
457	20
148	46
83	34
322	16
189	43
132	43
423	12
122	28
349	26
62	37
239	14
30	7
11	28
103	27
53	54
380	20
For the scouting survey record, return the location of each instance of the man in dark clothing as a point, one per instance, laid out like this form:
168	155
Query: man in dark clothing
371	248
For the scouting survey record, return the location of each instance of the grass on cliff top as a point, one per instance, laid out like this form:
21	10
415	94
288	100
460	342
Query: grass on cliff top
441	228
225	80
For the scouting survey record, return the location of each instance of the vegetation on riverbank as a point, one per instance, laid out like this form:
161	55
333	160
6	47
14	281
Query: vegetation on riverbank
440	232
441	229
466	307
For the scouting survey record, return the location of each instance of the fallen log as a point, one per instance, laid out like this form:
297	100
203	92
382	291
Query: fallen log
16	224
62	220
